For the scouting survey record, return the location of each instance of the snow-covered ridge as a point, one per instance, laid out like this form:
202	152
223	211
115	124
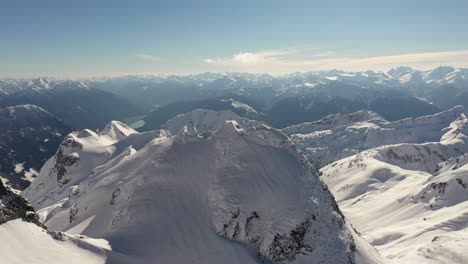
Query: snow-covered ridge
163	198
330	122
323	143
409	200
238	81
27	112
200	121
241	106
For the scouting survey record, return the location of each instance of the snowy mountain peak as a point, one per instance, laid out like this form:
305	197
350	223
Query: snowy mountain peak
159	199
117	130
396	72
439	72
42	82
39	84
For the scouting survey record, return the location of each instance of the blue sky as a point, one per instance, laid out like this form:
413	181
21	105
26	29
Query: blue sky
95	38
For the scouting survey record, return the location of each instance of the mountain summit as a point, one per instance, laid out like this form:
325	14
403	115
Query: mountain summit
238	195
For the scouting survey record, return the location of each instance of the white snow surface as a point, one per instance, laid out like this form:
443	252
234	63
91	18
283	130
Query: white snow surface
201	121
23	242
342	135
117	130
238	195
409	200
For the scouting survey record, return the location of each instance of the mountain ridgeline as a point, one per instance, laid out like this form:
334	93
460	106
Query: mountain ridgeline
279	100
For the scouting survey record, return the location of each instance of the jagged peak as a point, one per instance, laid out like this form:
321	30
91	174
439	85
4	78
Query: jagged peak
395	72
117	130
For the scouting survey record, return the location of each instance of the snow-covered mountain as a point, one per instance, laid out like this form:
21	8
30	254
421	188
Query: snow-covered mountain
407	193
239	105
331	121
216	186
342	135
29	136
233	195
304	80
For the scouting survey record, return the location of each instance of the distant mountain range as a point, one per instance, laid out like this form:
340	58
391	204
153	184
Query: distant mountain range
279	100
74	102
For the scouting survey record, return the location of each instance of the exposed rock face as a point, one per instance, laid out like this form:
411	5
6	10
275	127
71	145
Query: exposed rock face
62	162
14	206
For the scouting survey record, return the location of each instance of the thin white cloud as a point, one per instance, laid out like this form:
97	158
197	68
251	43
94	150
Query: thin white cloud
248	58
147	57
283	61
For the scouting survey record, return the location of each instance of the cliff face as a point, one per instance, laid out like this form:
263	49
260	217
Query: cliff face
14	206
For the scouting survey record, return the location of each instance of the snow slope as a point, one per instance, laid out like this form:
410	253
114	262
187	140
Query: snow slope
24	239
331	121
339	136
24	242
409	200
236	195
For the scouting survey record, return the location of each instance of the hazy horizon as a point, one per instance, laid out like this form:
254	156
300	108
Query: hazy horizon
162	75
87	38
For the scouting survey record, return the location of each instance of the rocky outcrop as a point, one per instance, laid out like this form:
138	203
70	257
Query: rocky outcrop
14	206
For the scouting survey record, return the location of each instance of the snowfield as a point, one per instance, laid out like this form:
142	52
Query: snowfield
410	201
342	135
23	242
214	191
